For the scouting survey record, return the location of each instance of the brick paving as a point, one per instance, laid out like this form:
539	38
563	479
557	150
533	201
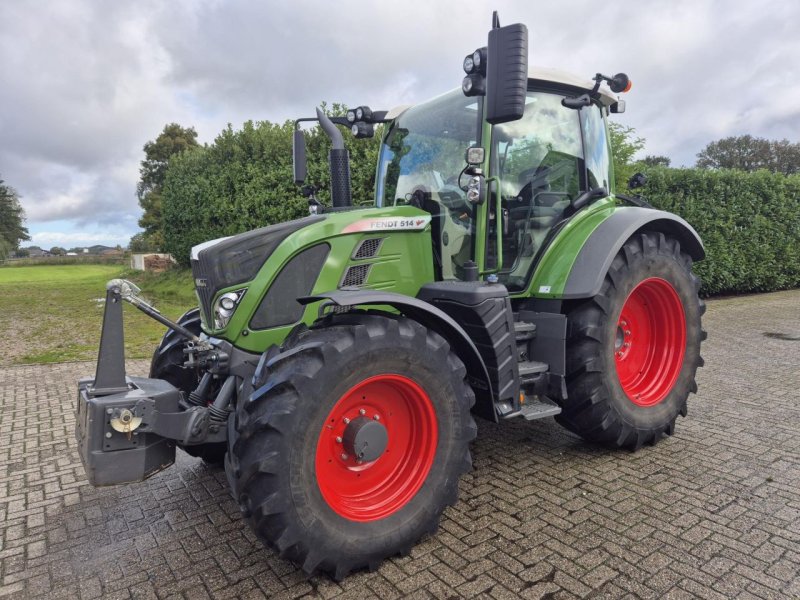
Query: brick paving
713	512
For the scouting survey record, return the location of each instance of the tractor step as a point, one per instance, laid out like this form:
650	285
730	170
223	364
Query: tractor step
524	330
531	367
536	409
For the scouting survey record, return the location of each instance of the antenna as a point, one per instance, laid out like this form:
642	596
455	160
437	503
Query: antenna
495	20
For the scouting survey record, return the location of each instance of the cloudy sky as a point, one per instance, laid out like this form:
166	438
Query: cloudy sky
84	84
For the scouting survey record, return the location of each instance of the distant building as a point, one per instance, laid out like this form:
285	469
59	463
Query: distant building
151	261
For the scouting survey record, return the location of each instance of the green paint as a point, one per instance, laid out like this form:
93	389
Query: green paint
555	264
404	263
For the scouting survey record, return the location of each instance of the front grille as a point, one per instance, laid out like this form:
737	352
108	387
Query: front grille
355	275
205	292
367	248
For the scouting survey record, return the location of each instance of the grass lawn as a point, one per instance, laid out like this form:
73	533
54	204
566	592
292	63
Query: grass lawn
54	313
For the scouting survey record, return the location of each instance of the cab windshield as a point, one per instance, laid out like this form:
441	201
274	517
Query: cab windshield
420	163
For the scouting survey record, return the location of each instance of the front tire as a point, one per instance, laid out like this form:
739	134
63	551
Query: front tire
634	349
353	442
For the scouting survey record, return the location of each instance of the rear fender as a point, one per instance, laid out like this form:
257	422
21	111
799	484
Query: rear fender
594	259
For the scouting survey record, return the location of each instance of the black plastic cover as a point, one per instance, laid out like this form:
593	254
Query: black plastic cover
484	312
297	278
507	73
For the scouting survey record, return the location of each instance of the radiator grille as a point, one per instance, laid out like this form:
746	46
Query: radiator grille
367	248
355	275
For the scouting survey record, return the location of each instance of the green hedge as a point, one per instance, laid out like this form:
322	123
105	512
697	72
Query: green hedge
244	181
749	223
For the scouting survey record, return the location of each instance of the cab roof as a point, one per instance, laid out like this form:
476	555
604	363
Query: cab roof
564	78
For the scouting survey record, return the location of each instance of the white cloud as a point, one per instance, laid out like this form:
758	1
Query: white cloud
85	84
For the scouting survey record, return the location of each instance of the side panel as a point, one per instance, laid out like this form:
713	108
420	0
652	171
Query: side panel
402	263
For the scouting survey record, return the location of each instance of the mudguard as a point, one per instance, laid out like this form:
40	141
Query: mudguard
594	259
434	319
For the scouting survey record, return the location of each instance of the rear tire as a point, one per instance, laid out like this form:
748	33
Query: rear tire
634	349
293	458
167	364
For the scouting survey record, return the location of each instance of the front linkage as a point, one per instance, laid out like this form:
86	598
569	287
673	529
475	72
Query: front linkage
127	427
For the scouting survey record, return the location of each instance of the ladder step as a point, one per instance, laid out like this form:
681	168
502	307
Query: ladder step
531	367
536	409
524	330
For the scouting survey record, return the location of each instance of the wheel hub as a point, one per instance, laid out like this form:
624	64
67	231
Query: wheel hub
650	341
365	439
376	447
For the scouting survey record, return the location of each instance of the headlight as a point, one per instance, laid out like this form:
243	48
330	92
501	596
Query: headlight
225	306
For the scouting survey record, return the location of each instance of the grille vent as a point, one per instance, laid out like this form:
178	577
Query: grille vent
355	275
367	248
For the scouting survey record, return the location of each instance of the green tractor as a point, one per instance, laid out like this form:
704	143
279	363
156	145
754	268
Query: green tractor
335	362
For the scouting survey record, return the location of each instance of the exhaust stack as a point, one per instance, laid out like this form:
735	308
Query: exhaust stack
339	163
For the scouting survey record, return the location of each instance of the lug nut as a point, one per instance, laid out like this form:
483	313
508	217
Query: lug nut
623	323
344	456
346	420
627	344
377	417
627	332
362	412
338	439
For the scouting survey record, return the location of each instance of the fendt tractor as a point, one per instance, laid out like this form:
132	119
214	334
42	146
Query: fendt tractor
335	362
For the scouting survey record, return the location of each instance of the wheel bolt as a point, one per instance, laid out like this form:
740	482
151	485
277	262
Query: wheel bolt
377	417
339	439
362	412
346	420
627	332
627	344
344	456
623	323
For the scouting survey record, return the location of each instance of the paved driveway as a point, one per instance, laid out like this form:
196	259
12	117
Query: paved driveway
712	512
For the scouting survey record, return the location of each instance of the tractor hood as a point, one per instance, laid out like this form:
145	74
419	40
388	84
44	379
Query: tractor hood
228	261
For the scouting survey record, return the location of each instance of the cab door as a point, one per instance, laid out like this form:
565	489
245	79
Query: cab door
539	166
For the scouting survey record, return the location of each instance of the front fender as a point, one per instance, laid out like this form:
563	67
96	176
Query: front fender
432	318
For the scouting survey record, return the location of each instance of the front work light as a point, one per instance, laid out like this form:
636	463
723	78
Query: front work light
362	130
469	64
473	85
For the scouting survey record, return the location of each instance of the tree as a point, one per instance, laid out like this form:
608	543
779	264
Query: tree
748	153
173	140
652	160
624	144
243	180
57	251
12	217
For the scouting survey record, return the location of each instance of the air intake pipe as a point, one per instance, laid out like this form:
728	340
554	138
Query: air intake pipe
339	162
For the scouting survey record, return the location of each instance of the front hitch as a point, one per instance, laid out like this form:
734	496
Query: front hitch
127	427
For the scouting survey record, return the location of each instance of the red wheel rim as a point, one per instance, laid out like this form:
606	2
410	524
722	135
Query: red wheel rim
650	342
367	490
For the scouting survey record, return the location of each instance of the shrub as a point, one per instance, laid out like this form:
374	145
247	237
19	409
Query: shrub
749	223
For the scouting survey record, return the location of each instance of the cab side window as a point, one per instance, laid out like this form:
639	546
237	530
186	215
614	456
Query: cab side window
596	144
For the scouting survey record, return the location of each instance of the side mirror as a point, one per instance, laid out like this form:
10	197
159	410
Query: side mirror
506	73
299	156
636	181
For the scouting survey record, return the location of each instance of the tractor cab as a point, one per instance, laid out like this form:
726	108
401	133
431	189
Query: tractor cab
536	167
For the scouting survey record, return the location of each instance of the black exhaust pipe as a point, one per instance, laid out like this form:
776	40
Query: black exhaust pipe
339	163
